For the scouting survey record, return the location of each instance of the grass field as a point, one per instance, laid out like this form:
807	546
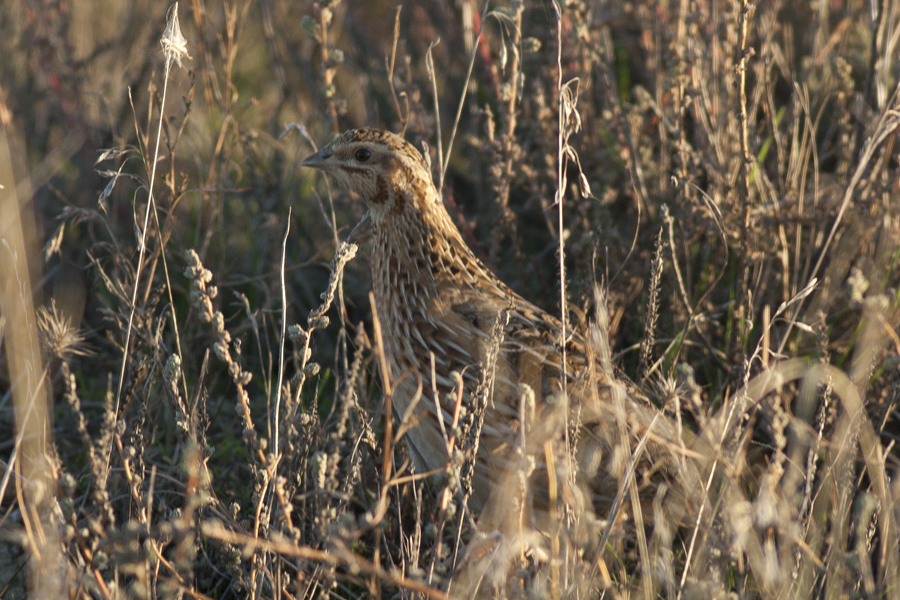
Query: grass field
190	395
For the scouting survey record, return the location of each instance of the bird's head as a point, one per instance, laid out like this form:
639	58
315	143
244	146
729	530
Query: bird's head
383	169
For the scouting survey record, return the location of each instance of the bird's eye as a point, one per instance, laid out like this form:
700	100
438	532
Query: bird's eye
363	154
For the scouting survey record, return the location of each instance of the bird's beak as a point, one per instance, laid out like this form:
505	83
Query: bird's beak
319	160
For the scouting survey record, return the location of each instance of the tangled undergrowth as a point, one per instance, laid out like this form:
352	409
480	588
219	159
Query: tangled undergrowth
191	402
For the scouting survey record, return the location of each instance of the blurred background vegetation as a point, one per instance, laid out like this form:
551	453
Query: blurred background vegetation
705	207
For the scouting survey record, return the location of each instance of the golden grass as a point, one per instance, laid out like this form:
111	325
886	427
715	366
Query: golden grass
190	398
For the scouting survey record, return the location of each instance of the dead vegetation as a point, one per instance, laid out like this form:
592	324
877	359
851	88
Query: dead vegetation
191	396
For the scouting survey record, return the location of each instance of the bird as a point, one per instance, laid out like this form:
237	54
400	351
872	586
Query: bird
547	412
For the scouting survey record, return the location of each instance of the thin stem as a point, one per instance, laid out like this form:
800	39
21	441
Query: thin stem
143	245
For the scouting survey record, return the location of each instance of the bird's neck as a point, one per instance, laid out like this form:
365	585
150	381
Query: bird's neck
417	251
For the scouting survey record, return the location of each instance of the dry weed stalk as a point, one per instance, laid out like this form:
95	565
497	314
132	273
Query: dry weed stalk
776	343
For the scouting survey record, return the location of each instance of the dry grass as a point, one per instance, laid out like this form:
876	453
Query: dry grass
190	398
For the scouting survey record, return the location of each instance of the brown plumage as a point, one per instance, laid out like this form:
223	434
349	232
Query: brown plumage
433	296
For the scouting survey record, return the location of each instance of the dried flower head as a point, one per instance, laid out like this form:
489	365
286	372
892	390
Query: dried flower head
59	337
173	42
